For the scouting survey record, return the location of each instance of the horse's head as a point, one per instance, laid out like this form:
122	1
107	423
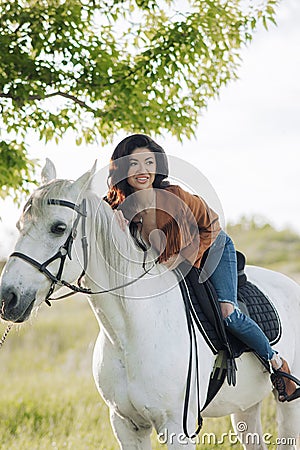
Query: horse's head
46	244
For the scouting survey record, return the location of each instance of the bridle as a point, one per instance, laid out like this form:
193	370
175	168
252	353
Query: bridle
66	251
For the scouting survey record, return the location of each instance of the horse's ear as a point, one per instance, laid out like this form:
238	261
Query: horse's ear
48	172
83	182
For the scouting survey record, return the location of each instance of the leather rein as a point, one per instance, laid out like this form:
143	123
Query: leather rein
65	251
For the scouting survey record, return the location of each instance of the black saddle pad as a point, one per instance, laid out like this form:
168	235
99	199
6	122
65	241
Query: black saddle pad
261	310
251	301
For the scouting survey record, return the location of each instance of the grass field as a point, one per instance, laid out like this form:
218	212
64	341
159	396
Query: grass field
48	399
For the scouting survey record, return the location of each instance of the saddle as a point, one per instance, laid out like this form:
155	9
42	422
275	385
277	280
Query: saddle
206	312
203	309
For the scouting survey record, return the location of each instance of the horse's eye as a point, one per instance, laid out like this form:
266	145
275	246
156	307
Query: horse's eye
58	228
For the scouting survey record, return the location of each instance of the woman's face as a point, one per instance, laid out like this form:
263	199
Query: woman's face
142	169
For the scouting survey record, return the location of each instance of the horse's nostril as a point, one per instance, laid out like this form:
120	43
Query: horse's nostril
16	305
10	296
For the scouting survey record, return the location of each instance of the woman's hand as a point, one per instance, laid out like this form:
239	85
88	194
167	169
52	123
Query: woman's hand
122	221
173	262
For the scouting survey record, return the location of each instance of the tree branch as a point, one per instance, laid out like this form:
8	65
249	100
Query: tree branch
53	94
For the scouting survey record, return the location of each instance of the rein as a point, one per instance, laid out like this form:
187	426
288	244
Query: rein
193	344
65	251
4	336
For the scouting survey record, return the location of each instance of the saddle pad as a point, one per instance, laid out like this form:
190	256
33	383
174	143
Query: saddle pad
261	310
251	301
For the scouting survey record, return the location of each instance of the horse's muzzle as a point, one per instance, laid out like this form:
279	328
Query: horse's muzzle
16	307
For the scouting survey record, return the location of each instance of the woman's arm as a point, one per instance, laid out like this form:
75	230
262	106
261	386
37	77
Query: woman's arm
203	224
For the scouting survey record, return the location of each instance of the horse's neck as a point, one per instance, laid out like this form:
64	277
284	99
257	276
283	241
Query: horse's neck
113	256
113	262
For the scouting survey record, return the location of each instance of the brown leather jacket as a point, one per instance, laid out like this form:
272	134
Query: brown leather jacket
189	224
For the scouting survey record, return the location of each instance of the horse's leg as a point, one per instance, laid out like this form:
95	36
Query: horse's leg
247	426
288	414
172	435
129	436
288	418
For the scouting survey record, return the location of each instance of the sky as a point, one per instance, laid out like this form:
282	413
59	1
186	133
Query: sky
247	143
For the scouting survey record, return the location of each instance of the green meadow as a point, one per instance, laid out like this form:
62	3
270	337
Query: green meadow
48	399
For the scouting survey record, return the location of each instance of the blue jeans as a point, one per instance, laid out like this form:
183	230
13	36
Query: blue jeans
222	265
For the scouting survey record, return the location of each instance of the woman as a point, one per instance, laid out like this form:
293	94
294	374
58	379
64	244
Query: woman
181	227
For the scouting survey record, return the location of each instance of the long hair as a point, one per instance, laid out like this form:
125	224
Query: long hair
119	188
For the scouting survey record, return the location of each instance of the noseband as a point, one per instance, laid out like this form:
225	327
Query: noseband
65	251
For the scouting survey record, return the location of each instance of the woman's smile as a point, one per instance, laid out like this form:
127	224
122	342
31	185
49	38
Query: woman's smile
142	167
142	179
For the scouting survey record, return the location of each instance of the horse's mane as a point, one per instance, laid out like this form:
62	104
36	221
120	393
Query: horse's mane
111	245
105	223
33	208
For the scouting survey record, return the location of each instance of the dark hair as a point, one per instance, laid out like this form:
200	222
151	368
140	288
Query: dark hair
119	188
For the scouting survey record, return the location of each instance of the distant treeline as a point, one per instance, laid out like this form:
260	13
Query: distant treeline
265	246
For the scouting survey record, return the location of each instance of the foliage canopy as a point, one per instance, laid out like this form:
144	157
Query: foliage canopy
99	66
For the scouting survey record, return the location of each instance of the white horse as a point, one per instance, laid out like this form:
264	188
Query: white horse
141	354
